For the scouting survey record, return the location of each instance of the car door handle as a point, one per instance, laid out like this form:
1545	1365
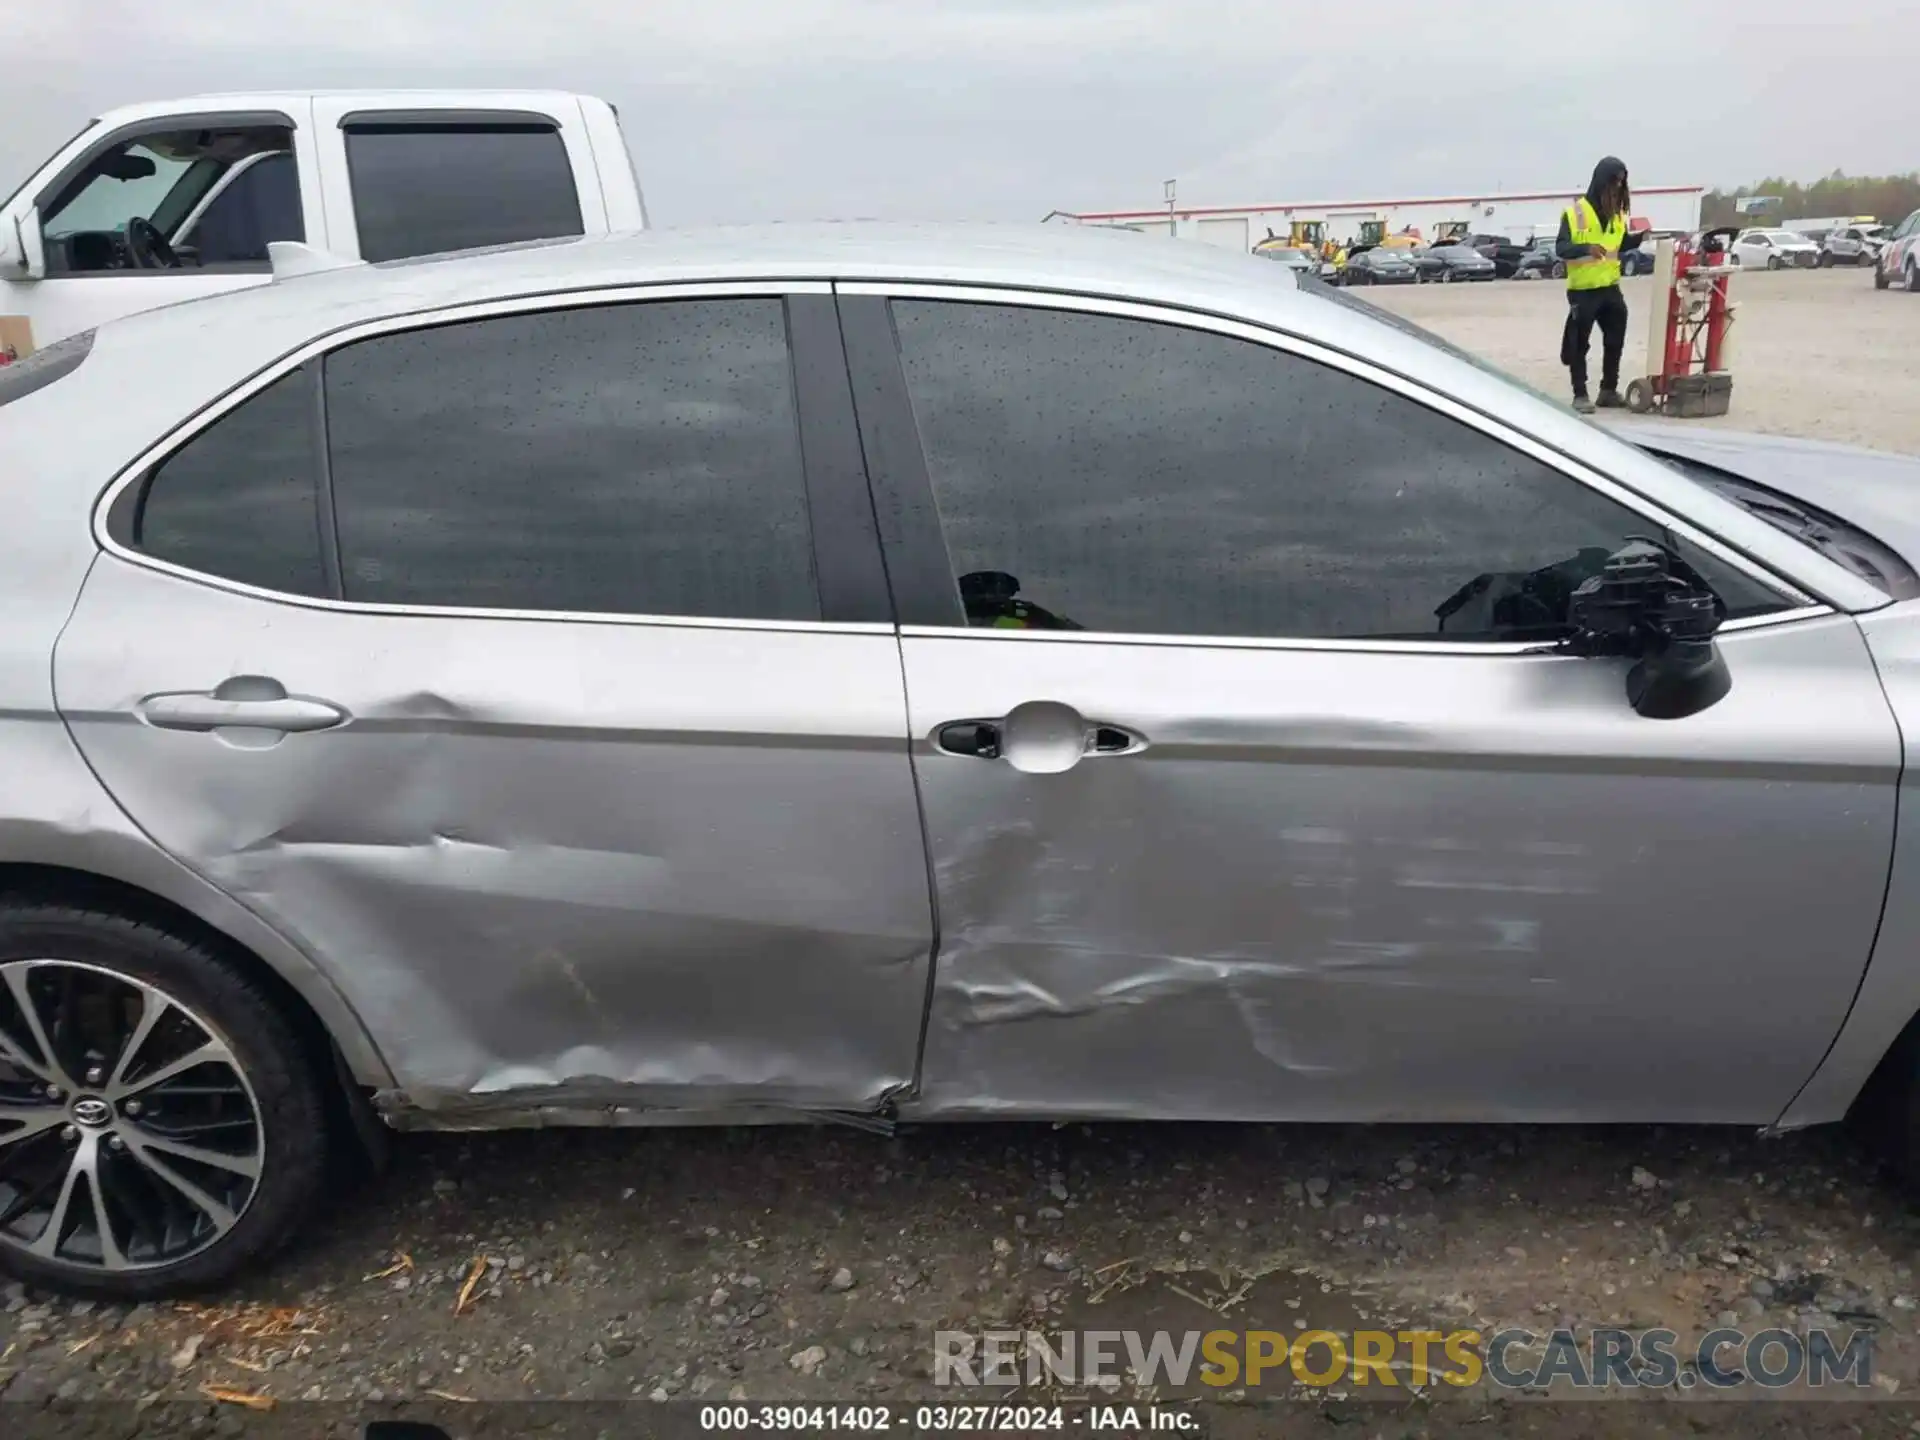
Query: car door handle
1041	737
211	711
976	739
1114	740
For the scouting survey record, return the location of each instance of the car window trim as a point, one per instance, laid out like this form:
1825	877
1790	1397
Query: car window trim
121	494
903	487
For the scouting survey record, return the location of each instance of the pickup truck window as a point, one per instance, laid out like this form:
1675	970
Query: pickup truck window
422	189
259	206
126	205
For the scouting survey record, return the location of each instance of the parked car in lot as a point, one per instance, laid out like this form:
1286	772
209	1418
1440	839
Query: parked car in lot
1296	257
1899	262
478	690
1379	265
1853	245
1503	250
1448	263
1774	250
1539	262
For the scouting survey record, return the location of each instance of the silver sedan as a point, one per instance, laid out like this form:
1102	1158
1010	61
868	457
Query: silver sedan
872	675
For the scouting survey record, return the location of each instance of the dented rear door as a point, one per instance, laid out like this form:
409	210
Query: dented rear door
1297	822
578	757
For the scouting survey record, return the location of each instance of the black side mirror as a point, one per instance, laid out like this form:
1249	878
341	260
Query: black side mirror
1650	606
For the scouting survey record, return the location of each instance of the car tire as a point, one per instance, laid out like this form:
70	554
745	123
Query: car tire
1446	277
1880	281
167	1188
1913	278
1559	270
1773	262
1825	262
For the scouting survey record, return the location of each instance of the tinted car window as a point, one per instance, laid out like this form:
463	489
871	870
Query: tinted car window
260	207
422	190
237	501
1144	478
635	459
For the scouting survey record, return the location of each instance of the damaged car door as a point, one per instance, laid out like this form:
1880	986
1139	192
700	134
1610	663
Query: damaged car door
1254	785
531	667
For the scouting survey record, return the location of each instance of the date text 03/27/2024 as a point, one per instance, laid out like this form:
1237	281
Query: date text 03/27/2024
950	1419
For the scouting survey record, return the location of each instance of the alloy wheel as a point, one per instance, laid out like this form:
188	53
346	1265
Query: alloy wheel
130	1137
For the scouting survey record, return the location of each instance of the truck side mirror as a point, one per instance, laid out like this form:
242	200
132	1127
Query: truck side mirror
21	255
1650	606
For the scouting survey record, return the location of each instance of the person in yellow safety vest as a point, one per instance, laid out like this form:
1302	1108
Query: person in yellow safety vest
1593	235
991	598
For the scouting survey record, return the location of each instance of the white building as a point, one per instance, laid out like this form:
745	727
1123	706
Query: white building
1665	208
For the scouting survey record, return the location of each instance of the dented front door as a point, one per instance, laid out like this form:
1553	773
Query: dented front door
1247	793
1312	885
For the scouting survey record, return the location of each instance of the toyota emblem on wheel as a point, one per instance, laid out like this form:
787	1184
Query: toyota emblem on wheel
92	1112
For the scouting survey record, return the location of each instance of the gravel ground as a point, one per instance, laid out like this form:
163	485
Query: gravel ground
800	1264
787	1264
1819	353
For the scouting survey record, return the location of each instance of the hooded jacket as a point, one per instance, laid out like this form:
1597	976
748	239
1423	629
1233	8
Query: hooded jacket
1605	173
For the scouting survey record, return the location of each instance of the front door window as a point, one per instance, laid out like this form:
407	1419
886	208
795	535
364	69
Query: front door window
130	206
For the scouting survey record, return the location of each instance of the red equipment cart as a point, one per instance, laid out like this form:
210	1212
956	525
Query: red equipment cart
1692	318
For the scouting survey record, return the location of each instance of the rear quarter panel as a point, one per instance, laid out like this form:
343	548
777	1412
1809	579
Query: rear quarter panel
61	444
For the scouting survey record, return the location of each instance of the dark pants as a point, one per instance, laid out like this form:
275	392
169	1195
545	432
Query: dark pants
1586	308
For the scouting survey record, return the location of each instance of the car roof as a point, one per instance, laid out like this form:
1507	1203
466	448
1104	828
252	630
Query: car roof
1077	259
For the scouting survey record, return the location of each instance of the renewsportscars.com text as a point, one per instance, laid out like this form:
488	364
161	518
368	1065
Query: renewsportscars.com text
1514	1359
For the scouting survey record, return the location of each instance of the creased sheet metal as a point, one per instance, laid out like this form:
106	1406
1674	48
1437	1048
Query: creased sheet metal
662	865
1367	886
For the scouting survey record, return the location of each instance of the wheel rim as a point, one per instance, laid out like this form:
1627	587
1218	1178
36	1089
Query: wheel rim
129	1136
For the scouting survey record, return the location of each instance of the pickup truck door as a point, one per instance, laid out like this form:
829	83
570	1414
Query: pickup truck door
412	174
72	226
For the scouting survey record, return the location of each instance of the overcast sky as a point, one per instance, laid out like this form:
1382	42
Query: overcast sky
1006	109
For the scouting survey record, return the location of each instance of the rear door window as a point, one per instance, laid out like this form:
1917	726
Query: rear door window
427	188
239	500
638	459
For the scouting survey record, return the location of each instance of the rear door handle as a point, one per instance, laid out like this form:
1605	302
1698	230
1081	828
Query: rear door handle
204	711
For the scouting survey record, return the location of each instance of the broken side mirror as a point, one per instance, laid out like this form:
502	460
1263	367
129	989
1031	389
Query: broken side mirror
1650	606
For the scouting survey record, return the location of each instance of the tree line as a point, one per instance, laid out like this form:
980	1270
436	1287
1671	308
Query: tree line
1888	198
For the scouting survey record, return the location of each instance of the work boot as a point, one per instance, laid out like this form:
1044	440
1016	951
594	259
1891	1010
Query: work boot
1610	400
1582	405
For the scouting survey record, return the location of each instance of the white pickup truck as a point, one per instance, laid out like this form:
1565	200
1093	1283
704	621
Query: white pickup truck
172	200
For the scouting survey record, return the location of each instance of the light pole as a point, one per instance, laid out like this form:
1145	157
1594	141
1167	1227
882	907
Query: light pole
1173	226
